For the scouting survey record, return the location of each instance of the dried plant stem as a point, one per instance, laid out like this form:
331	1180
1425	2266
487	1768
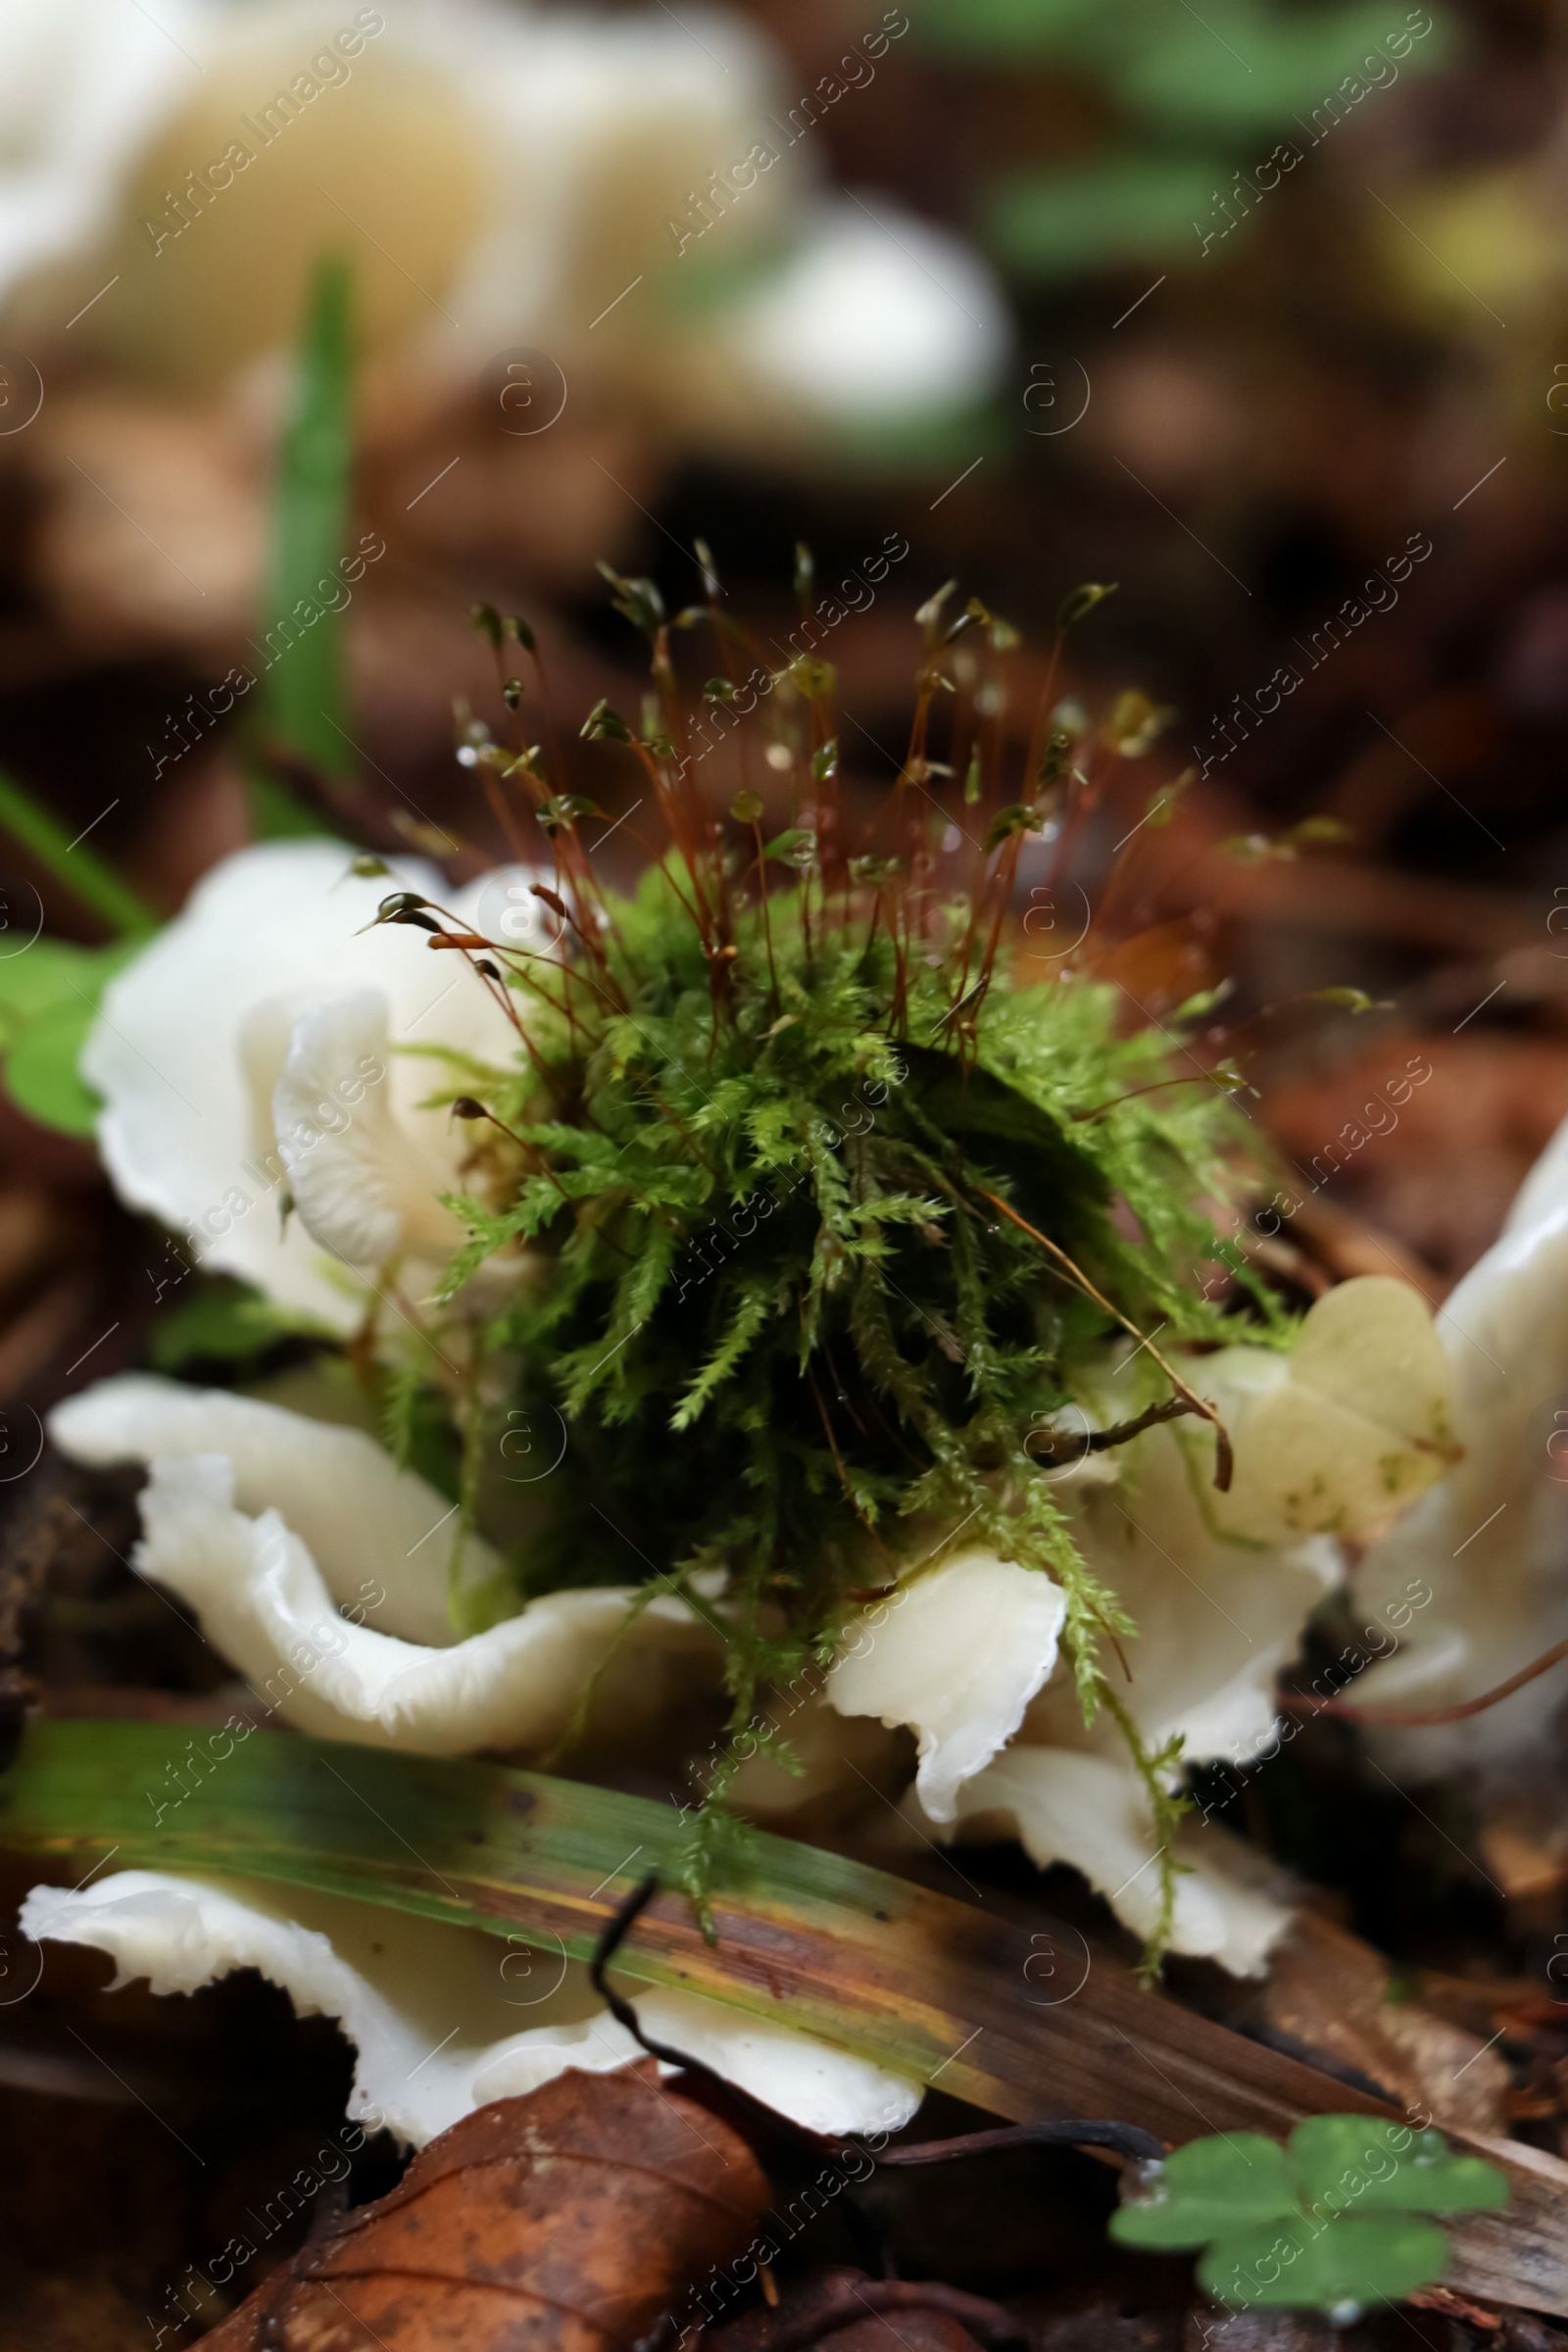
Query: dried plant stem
1224	1459
1416	1719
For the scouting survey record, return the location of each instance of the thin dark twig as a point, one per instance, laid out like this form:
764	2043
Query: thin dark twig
1120	1433
788	2151
751	2116
1125	2140
1224	1459
1416	1719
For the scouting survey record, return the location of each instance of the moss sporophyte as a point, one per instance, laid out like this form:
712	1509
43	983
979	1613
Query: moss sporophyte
831	1192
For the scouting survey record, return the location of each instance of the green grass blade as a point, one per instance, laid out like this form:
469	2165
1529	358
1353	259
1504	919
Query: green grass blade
868	1962
89	881
304	704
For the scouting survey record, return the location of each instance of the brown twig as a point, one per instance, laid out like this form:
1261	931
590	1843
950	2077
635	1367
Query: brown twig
1416	1719
1224	1459
1099	1440
1125	2140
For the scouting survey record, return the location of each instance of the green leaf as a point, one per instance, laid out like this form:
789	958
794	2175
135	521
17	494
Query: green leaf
1367	2165
43	974
1271	64
41	1074
226	1323
1210	2186
1132	205
1242	64
1324	2267
303	698
89	881
49	998
1325	2225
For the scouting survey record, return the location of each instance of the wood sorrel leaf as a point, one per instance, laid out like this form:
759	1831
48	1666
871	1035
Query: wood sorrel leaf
1207	2187
1364	2164
1327	2223
1336	2266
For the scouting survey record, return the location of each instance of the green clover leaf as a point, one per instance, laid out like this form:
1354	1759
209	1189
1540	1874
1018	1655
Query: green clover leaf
1208	2187
1326	2266
1328	2224
1383	2168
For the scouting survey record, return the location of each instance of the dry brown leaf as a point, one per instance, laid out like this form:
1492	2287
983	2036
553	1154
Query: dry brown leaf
1159	969
150	533
570	2220
68	2315
852	2312
1439	1170
1326	1990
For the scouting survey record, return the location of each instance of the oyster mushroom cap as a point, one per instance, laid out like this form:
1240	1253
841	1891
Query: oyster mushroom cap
197	1034
443	2019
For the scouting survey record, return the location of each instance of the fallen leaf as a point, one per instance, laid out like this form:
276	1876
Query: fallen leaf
854	2313
570	2219
1327	1990
1439	1158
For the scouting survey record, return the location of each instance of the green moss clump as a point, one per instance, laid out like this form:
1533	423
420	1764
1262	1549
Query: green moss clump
833	1192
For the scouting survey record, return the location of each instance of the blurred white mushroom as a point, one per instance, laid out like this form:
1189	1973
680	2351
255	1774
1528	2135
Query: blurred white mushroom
442	2018
610	188
1473	1575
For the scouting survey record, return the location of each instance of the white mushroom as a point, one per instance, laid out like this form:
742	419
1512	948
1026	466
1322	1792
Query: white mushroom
302	1618
265	1043
634	195
1331	1439
443	2019
1472	1578
958	1654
